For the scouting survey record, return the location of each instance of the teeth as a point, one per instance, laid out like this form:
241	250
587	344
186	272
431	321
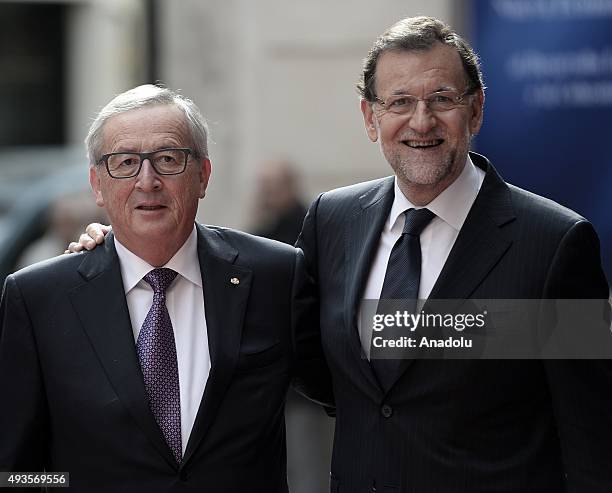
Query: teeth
422	143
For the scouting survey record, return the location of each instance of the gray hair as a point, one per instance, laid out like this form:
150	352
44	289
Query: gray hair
139	97
418	34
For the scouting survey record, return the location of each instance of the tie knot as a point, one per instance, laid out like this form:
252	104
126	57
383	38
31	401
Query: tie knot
416	220
160	279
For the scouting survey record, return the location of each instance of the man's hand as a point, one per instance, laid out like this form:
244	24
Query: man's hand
93	236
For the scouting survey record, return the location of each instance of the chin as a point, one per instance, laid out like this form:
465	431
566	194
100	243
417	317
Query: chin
153	231
427	171
422	174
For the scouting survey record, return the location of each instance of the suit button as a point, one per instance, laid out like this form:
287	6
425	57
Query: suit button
386	411
183	476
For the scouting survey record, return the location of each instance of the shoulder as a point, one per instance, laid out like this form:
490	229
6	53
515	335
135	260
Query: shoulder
252	249
543	212
549	230
48	278
275	266
570	241
530	209
358	190
55	268
340	203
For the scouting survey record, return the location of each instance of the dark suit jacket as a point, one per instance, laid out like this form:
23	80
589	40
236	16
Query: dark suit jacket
73	397
457	425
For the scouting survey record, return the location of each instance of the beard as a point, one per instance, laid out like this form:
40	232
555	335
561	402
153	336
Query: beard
423	170
435	167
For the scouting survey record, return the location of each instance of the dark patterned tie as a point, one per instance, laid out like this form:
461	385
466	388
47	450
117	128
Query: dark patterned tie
157	355
401	282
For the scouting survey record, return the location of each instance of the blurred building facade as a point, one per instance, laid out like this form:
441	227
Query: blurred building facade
273	77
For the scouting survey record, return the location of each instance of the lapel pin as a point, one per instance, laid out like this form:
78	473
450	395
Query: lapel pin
235	280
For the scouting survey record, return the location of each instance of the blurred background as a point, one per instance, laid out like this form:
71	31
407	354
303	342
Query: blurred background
276	81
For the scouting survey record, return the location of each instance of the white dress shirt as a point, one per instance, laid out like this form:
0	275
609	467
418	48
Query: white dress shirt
451	208
185	302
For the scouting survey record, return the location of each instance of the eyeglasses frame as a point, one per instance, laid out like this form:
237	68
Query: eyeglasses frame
458	101
146	155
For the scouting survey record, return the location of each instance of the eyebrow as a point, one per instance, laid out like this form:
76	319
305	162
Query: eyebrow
399	92
132	150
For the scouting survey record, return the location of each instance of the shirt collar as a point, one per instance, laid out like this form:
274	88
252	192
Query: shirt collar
185	262
452	205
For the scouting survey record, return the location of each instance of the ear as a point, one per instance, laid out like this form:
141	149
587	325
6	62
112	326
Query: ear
94	181
369	120
204	176
477	112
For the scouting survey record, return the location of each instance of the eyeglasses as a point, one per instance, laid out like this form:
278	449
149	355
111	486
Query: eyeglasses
171	161
437	102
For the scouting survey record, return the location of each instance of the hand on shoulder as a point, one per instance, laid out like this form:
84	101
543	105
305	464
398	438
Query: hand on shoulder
92	237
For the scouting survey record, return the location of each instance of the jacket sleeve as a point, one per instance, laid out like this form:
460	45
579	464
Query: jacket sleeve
23	413
581	389
312	378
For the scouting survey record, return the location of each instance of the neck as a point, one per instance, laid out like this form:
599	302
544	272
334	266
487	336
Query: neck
416	194
421	195
156	259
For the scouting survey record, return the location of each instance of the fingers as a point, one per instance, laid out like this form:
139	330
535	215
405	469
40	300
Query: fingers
87	242
93	236
73	247
95	231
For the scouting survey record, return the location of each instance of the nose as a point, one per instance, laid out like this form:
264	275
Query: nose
148	180
423	119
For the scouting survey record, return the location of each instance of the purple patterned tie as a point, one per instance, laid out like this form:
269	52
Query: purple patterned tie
157	355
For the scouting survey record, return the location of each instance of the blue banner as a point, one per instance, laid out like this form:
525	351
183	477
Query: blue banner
548	106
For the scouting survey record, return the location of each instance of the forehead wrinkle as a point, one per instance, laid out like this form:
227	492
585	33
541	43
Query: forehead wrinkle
142	145
427	84
130	133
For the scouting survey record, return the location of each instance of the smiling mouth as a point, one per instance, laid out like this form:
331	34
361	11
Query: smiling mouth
423	144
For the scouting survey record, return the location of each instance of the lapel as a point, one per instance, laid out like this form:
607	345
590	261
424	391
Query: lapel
363	234
481	242
225	305
101	306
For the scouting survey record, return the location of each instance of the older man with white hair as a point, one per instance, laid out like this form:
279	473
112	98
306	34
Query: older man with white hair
161	361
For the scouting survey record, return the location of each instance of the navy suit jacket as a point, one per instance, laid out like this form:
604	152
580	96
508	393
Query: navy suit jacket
464	425
73	394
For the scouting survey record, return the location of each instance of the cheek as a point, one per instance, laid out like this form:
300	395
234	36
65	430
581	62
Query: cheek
116	200
457	130
186	198
388	133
